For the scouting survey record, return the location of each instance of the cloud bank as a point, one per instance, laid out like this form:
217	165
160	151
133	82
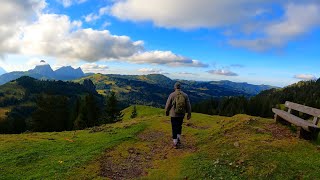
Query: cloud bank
94	68
222	72
299	19
188	14
305	77
165	58
151	71
68	3
26	30
262	27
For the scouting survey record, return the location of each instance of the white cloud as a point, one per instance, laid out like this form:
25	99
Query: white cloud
14	15
94	68
35	62
244	17
27	65
104	10
106	24
189	14
222	72
93	17
186	73
305	77
55	35
33	33
164	58
151	71
298	20
68	3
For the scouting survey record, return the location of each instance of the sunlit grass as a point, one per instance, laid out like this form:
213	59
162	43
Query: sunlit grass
239	147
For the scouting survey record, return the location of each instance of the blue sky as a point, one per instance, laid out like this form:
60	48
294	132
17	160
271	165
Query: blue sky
260	42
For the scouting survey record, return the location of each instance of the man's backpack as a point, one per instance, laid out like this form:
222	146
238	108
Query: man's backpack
180	103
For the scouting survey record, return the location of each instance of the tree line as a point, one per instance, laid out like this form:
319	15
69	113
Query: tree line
58	106
304	92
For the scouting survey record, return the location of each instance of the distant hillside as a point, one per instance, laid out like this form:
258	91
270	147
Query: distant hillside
38	105
213	147
153	89
44	71
249	88
304	92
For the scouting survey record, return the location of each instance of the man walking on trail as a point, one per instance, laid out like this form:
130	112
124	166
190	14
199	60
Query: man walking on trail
178	104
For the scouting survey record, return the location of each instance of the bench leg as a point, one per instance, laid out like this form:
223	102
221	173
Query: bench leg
280	120
313	135
303	134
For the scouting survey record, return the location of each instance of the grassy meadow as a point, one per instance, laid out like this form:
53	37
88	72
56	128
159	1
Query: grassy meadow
214	147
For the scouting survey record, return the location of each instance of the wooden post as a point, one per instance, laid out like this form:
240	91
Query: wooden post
316	120
299	132
277	118
303	134
314	133
289	110
280	120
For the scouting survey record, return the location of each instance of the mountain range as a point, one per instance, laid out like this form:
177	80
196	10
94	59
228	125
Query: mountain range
44	71
150	89
153	89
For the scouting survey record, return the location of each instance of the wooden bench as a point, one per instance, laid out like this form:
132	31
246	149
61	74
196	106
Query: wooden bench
306	129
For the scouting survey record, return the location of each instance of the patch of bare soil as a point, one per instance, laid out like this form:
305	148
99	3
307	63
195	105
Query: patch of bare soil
151	135
134	163
279	132
128	167
196	127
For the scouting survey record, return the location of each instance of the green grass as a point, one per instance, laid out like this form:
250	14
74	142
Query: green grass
239	147
143	112
55	155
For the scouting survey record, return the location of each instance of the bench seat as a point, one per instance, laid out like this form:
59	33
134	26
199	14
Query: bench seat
308	126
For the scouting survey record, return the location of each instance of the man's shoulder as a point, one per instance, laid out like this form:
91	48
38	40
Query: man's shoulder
185	94
172	94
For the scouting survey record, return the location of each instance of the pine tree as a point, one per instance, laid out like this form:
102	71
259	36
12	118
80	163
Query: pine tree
134	113
113	114
51	113
92	110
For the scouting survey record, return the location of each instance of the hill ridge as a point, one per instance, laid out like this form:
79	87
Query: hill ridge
153	89
44	71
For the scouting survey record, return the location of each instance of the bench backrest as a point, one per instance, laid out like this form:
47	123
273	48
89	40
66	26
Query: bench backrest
304	109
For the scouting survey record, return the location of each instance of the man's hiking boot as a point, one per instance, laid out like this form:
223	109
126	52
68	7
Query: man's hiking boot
179	142
175	146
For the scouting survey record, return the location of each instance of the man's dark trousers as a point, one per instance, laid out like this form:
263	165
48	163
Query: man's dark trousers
176	123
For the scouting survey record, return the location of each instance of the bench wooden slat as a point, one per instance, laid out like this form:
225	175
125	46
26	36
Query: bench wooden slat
316	120
305	109
294	119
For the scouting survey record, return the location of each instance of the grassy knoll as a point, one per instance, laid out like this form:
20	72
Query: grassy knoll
55	155
214	147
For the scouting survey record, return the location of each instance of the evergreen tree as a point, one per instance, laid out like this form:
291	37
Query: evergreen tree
112	113
80	122
134	113
92	110
51	113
